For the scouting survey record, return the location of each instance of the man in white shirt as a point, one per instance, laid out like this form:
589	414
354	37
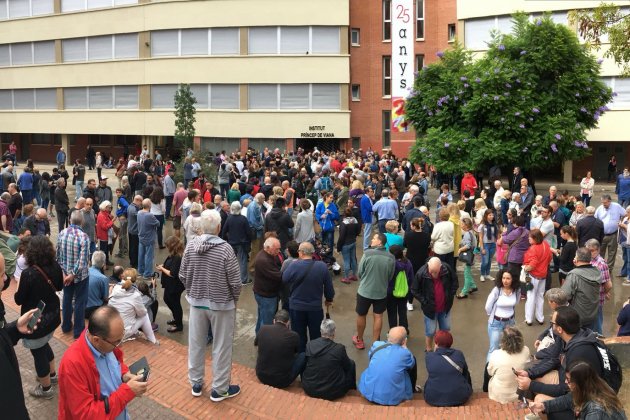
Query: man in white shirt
498	195
610	214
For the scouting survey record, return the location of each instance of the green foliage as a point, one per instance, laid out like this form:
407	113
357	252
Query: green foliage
528	101
606	20
184	117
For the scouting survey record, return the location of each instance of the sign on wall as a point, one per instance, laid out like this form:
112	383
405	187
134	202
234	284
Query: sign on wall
402	61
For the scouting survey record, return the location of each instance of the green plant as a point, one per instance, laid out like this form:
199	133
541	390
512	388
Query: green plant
184	117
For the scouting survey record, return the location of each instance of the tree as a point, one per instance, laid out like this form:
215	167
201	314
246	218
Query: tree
528	101
606	21
185	116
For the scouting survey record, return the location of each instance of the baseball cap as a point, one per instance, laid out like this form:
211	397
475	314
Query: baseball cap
103	177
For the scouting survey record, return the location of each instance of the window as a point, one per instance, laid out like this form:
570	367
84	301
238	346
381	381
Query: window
75	98
163	96
224	97
419	62
194	41
355	37
164	43
295	96
24	99
12	9
22	54
621	87
325	96
294	40
263	40
419	19
98	48
126	97
77	5
215	144
126	46
225	41
387	129
263	96
451	32
356	92
387	76
207	96
5	55
46	98
43	52
356	143
101	97
204	41
325	40
387	20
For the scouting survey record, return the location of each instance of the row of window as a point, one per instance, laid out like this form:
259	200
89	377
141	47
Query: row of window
97	48
14	9
387	19
621	87
24	53
209	96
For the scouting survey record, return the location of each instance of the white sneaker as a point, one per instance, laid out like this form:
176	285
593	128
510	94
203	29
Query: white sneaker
482	279
409	306
489	278
626	282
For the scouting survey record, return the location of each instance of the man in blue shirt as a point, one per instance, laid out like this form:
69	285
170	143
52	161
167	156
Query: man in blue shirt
366	215
148	225
98	286
387	209
61	157
610	214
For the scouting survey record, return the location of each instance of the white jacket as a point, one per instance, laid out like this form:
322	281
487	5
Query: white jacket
129	304
502	387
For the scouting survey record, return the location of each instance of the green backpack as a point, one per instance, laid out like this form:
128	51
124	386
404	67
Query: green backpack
401	287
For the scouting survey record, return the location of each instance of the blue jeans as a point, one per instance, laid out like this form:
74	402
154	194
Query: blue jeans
495	330
267	307
241	255
301	320
169	204
367	233
27	196
328	237
626	260
349	253
486	259
599	321
443	319
78	291
79	190
145	259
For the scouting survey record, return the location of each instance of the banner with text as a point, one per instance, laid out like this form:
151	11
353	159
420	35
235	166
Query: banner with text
402	61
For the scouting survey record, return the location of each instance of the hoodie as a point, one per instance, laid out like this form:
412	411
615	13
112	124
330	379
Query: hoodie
329	372
280	222
129	304
349	229
210	273
582	286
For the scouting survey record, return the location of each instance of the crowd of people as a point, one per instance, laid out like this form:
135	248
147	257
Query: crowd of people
275	222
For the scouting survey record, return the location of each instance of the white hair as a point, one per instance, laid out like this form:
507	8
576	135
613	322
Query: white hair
104	205
235	207
210	222
98	258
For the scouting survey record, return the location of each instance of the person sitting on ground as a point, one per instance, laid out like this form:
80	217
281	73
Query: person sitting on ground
128	301
329	372
590	396
623	320
278	362
98	286
449	383
513	353
549	345
390	377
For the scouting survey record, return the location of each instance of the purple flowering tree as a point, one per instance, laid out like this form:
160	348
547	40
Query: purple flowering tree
529	101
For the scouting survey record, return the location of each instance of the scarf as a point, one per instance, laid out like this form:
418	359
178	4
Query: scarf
491	231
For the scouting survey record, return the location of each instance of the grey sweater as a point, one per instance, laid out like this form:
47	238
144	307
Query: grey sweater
147	228
582	285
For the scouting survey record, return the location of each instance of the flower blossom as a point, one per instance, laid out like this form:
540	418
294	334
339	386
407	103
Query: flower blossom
557	136
554	148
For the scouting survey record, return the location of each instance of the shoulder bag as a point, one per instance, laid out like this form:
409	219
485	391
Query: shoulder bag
452	363
381	347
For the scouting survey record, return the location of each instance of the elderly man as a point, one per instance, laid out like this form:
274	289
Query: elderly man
79	205
589	227
553	195
329	372
38	223
375	271
257	226
267	281
62	204
435	285
95	362
89	223
498	195
610	214
90	192
98	286
391	375
606	284
308	281
15	202
279	360
148	225
387	209
5	214
237	233
209	272
582	286
73	254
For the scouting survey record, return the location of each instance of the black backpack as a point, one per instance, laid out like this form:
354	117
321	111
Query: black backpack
611	369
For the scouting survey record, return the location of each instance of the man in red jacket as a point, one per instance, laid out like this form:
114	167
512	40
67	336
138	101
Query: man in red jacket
94	382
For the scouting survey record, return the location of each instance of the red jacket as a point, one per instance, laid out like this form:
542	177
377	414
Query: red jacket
103	223
538	256
468	183
80	389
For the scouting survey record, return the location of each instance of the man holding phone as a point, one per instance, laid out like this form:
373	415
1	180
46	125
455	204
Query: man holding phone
94	382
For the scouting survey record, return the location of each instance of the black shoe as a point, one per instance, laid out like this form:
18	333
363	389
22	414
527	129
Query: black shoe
529	324
175	329
460	296
171	322
473	290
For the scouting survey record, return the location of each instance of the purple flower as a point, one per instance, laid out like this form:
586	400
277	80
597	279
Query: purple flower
584	145
430	113
577	143
521	125
557	136
463	78
518	80
531	119
456	98
583	110
501	47
523	52
415	74
446	145
465	140
516	114
439	54
538	22
535	110
525	149
577	95
506	93
477	80
507	85
600	60
466	85
485	95
614	93
554	148
423	149
496	97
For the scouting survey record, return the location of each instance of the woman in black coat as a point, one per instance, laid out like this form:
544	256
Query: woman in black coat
40	281
171	284
418	244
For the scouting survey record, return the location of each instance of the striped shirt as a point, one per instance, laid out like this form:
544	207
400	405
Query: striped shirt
73	252
601	264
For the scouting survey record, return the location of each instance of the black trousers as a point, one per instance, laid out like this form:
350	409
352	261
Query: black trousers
42	357
397	312
172	298
62	219
133	250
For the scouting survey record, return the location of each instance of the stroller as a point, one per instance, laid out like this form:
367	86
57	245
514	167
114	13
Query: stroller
325	254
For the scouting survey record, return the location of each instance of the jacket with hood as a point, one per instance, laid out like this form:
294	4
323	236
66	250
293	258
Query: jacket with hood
582	346
327	223
129	304
582	286
210	273
329	372
280	222
349	229
422	288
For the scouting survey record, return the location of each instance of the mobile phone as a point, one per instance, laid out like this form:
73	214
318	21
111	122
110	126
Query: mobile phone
141	367
38	313
156	274
514	370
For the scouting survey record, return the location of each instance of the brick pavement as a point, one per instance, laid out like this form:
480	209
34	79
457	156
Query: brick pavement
169	394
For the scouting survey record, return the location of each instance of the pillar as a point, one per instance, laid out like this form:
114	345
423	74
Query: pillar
568	172
65	143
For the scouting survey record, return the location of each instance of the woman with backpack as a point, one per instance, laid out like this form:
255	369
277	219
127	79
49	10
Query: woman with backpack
398	288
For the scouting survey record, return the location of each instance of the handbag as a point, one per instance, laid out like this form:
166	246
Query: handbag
316	226
468	256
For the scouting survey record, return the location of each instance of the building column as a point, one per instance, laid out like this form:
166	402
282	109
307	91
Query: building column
244	144
568	172
65	143
290	145
196	144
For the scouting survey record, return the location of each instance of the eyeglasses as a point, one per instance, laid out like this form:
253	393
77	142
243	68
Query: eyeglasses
110	343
